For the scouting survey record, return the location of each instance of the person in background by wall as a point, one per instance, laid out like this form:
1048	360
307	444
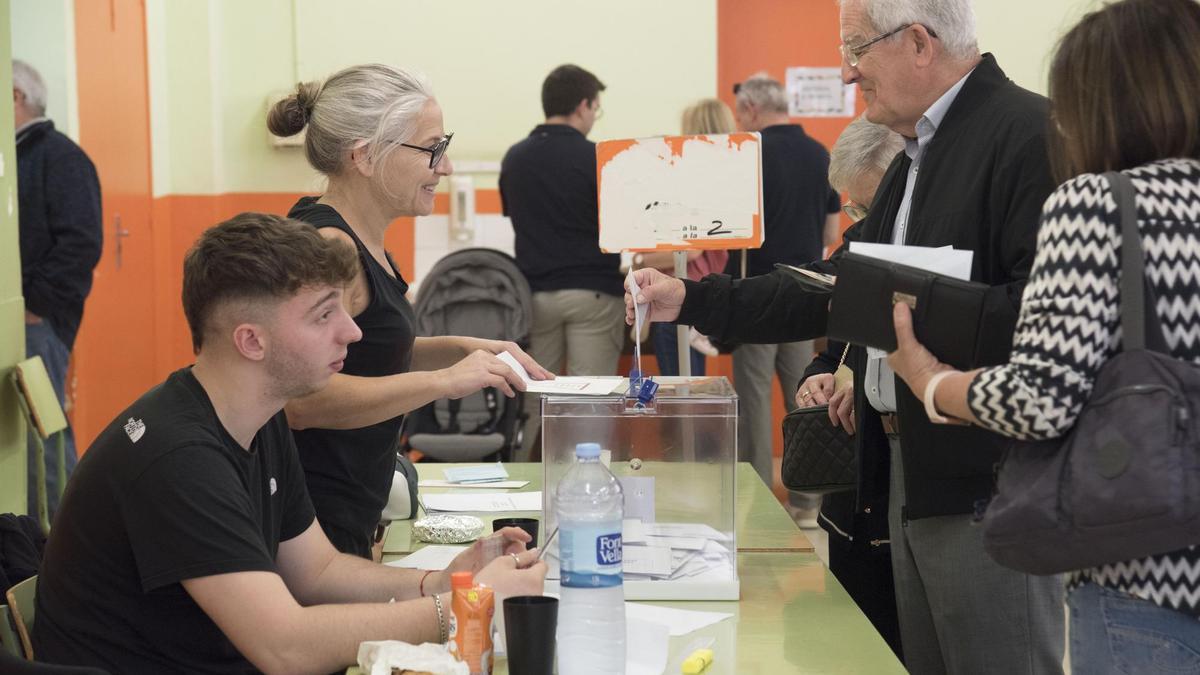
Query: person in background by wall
61	235
860	552
800	216
376	134
187	541
548	189
707	116
1125	96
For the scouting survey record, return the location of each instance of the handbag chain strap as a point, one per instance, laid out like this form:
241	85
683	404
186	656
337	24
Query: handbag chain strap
845	351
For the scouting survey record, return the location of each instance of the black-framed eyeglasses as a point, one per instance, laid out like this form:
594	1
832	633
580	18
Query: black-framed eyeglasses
852	53
436	151
856	212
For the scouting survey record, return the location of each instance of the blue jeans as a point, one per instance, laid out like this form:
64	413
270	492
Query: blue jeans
40	340
666	350
1116	633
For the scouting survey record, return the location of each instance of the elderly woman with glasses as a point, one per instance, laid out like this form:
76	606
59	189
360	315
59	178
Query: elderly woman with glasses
856	522
376	134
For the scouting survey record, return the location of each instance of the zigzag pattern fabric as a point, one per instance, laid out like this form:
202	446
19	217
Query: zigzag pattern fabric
1070	326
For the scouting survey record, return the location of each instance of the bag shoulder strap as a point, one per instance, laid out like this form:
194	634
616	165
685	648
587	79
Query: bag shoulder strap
1137	325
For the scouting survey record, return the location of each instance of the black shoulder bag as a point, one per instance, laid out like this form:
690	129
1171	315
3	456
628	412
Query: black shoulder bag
1125	483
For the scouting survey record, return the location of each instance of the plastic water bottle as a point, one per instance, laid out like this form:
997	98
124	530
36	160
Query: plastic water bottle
591	612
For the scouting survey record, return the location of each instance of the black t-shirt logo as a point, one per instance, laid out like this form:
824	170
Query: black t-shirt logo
135	429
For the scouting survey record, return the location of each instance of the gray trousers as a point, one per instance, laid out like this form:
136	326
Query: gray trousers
961	612
754	366
586	329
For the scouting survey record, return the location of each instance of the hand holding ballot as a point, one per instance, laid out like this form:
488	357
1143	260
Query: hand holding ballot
664	295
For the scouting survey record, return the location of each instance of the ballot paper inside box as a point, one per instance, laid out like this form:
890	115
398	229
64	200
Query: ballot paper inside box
677	461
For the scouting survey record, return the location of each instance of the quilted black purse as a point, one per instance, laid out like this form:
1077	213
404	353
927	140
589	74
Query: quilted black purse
817	456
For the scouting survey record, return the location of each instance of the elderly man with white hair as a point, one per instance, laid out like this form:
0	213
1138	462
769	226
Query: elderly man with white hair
973	175
61	234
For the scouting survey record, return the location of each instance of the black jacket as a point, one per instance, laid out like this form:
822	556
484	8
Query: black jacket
61	228
984	177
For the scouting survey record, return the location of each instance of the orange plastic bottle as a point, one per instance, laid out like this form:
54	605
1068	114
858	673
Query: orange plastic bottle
471	610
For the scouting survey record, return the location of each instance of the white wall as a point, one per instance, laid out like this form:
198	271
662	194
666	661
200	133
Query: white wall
215	62
1024	33
43	35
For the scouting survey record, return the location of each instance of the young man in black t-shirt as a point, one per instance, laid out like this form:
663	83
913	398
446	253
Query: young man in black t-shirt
548	189
186	541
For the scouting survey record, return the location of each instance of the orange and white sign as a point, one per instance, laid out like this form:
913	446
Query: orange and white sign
673	193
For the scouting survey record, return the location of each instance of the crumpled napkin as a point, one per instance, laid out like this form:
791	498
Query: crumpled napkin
379	658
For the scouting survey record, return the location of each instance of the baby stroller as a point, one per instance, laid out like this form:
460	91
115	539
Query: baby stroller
477	292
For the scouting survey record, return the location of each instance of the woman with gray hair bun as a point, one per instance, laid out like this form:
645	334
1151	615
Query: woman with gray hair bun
860	554
376	134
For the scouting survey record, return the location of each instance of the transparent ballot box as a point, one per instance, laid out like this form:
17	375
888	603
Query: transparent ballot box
676	459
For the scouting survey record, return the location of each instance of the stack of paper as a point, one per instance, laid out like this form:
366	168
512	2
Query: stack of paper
485	502
671	551
484	473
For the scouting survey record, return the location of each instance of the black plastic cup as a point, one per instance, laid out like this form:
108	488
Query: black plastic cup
530	525
530	626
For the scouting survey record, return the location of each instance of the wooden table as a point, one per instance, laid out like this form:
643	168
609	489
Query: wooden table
762	524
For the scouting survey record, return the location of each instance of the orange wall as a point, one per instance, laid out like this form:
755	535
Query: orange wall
184	217
771	36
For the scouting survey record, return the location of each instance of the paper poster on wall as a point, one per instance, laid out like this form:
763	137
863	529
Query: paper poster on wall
818	92
680	192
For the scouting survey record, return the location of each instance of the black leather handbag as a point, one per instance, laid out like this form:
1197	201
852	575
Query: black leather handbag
817	456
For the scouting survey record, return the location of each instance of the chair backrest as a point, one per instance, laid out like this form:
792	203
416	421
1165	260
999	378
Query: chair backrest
21	600
9	642
38	393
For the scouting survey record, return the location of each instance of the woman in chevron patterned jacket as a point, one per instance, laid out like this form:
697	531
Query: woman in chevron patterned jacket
1125	95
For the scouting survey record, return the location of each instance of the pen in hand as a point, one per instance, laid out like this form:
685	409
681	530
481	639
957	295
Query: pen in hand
545	545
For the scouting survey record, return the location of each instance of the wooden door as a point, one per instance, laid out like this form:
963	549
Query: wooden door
114	356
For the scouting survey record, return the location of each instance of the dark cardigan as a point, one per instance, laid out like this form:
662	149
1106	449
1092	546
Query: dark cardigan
984	177
61	226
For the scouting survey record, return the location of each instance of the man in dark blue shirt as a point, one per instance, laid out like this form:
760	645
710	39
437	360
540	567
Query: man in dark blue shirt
548	189
60	231
800	217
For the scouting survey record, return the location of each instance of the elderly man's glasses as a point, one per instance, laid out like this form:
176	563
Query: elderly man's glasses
436	151
852	53
856	212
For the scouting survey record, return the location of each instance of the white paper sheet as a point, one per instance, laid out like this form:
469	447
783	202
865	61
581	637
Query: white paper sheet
482	473
487	502
654	561
632	532
639	317
685	543
433	557
951	262
683	530
646	645
503	484
680	621
589	386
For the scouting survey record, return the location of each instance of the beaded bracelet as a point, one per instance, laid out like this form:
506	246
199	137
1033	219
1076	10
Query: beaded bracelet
443	632
421	587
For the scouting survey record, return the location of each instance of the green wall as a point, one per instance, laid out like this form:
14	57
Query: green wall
12	305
